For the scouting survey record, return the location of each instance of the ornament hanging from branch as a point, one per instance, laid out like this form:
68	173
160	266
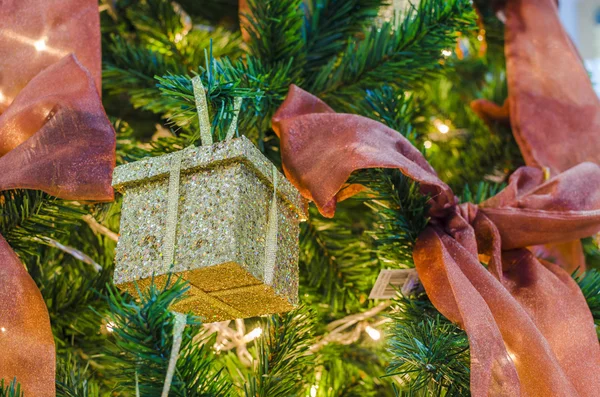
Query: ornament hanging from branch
220	216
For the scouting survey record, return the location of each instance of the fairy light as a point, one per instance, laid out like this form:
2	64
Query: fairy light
373	333
218	347
441	126
480	37
255	333
40	45
446	53
313	390
427	144
3	329
110	326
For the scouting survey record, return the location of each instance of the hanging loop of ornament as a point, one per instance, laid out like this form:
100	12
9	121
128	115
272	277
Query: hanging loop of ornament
237	105
202	109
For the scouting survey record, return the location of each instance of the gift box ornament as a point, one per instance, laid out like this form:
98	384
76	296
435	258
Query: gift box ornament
220	216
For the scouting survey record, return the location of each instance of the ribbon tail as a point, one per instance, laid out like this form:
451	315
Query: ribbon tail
513	324
554	111
26	340
453	294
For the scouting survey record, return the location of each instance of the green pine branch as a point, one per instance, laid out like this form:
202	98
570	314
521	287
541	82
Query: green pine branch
276	29
130	69
143	335
402	210
284	361
430	355
12	389
591	250
337	263
590	287
28	215
482	192
74	381
394	108
329	25
221	92
352	370
401	54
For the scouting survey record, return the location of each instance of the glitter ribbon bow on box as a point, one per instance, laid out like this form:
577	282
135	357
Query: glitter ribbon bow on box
54	137
220	216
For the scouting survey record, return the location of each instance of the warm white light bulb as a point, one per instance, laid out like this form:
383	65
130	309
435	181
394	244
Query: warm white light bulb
427	144
443	128
110	326
40	45
446	53
3	329
373	333
255	333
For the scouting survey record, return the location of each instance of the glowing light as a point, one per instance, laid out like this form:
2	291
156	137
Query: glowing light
480	37
373	333
446	53
40	45
218	347
255	333
2	97
313	390
443	128
3	329
427	144
110	326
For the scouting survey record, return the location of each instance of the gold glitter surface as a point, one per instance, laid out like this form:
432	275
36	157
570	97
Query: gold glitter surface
225	193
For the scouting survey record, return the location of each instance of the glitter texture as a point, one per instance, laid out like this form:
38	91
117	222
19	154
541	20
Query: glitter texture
225	193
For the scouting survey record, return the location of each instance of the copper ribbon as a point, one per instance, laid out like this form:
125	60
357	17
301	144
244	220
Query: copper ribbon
530	330
54	137
552	107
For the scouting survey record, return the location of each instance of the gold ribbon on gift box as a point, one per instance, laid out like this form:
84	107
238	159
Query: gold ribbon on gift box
173	197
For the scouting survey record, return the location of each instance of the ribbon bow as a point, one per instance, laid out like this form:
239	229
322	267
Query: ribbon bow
54	137
523	340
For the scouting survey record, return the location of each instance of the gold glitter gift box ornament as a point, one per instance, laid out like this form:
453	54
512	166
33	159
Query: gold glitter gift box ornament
221	216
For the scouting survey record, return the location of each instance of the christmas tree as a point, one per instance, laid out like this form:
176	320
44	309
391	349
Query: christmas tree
434	71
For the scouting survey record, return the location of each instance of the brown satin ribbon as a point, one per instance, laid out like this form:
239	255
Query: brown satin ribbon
530	330
54	137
